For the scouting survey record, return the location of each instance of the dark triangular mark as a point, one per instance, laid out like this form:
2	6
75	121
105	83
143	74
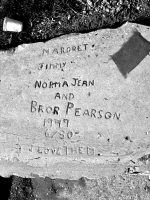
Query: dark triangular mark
131	53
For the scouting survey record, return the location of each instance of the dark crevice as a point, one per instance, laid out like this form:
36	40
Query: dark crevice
5	187
21	189
44	20
114	26
24	37
27	38
145	22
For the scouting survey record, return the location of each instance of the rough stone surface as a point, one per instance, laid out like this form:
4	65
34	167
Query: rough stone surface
76	106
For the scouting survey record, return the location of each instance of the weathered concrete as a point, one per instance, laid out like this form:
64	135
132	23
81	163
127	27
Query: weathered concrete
77	105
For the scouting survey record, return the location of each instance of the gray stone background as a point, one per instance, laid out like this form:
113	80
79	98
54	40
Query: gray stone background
44	20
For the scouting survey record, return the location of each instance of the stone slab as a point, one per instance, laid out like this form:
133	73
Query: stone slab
77	105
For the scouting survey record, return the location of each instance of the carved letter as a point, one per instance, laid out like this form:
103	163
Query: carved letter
91	83
90	151
56	109
77	111
37	84
69	106
117	115
85	45
86	112
57	95
55	51
100	116
41	66
108	115
71	96
93	112
46	51
33	106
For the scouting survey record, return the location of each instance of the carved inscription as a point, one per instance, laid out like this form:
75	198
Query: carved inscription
67	151
62	84
93	113
51	66
68	96
77	111
65	104
61	134
65	50
39	108
63	107
56	123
